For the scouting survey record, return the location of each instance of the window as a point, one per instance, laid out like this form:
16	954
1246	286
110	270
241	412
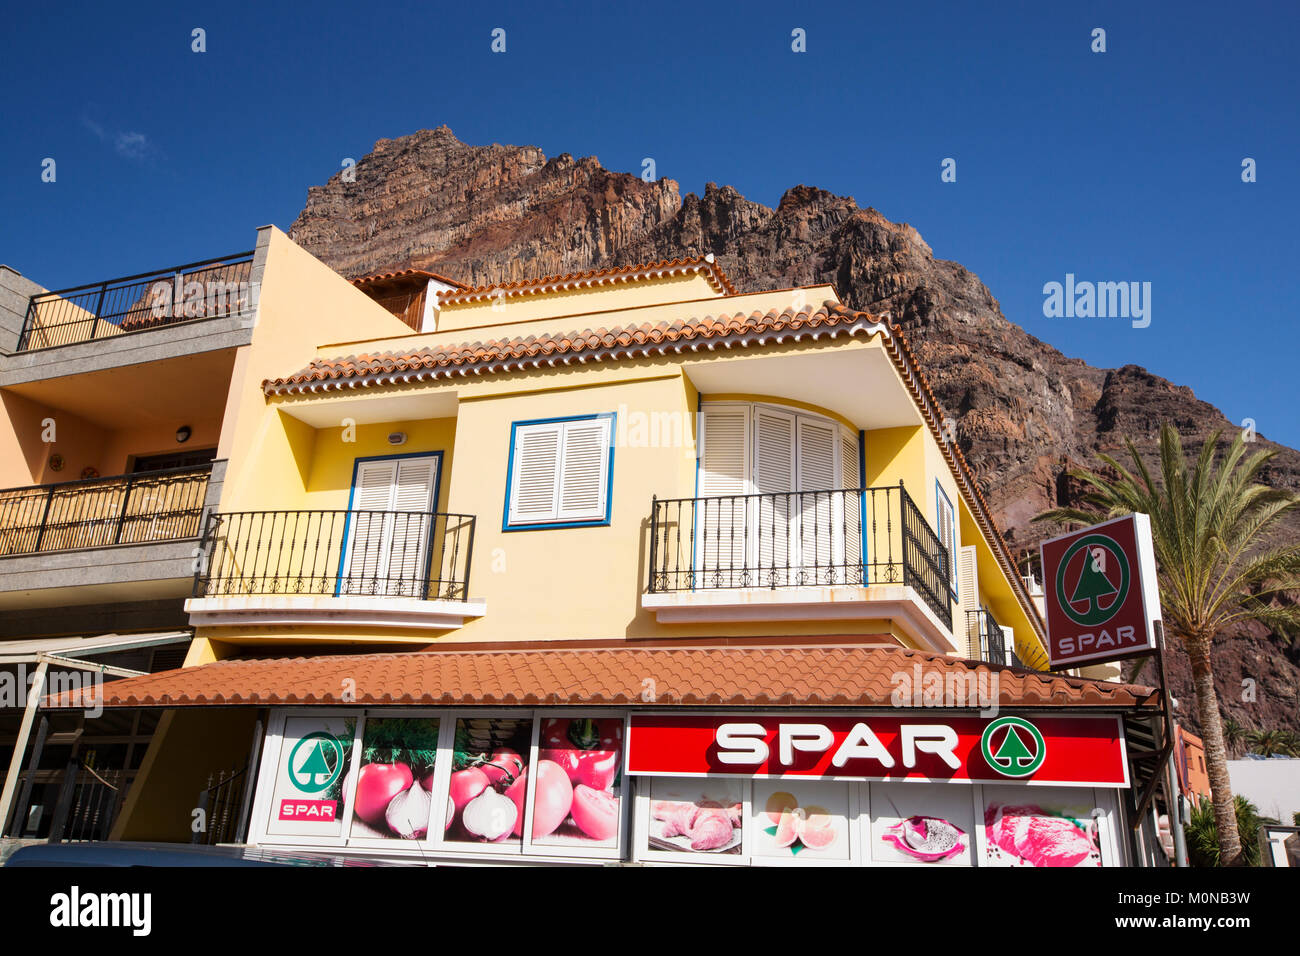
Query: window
389	524
560	472
770	497
947	528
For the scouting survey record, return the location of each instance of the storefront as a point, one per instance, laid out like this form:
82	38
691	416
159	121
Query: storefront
874	788
740	755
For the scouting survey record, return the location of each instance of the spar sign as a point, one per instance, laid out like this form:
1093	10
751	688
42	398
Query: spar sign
1101	592
1057	750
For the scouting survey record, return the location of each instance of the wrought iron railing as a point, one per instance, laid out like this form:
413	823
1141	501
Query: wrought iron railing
220	804
985	635
89	802
418	554
851	536
97	512
199	290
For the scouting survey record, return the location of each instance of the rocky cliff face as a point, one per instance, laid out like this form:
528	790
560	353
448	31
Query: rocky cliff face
1023	411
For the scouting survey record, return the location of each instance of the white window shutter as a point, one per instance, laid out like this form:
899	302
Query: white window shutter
969	590
372	496
584	470
774	478
852	508
409	538
724	473
535	491
819	539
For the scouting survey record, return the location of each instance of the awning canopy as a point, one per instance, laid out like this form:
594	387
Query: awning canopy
646	677
28	651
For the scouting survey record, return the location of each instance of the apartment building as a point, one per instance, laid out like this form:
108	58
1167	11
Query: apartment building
616	565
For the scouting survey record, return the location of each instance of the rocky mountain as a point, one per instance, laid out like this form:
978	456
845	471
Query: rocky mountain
1023	412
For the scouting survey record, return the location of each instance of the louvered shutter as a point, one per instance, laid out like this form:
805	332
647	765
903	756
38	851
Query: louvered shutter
774	480
535	488
969	590
385	551
819	538
411	526
946	536
852	508
372	495
724	480
584	469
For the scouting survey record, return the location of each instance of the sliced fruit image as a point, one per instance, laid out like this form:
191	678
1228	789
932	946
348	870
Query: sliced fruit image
928	839
817	829
779	804
787	829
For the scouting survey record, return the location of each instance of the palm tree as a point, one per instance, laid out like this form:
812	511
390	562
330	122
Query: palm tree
1266	743
1217	567
1234	737
1201	832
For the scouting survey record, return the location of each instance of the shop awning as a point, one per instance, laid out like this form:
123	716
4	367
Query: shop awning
657	677
28	651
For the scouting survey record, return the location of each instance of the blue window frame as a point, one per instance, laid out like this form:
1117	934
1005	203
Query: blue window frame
946	521
560	473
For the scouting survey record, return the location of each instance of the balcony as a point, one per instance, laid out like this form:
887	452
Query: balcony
376	568
101	512
847	553
80	541
213	288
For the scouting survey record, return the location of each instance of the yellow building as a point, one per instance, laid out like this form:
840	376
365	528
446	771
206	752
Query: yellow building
572	568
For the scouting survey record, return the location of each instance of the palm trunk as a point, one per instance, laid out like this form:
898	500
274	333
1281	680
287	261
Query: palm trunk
1216	757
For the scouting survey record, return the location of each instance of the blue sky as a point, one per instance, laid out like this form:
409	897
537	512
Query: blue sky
1115	166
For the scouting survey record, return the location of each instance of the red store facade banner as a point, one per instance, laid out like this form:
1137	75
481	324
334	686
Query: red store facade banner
1048	750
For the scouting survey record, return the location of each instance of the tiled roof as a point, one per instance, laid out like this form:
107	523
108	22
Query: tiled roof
621	342
725	331
377	277
705	264
678	676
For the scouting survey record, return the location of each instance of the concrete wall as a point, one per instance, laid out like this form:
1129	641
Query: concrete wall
14	293
1272	785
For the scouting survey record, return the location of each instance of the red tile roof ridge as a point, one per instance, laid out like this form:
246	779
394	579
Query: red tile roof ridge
790	675
360	370
552	283
373	277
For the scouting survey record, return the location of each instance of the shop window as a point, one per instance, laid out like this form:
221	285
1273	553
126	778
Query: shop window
1046	827
916	824
307	795
589	752
560	472
696	818
489	784
802	821
393	796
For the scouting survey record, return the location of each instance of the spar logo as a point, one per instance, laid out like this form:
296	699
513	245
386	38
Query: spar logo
1013	747
1092	580
315	762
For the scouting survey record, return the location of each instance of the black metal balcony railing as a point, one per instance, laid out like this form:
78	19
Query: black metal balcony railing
418	554
986	638
849	536
97	512
199	290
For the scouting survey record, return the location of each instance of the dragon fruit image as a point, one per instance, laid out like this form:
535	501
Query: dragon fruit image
929	839
1032	836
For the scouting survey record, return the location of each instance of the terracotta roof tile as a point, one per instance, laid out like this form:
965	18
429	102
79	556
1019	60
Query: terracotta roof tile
499	355
596	277
375	278
724	331
685	676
